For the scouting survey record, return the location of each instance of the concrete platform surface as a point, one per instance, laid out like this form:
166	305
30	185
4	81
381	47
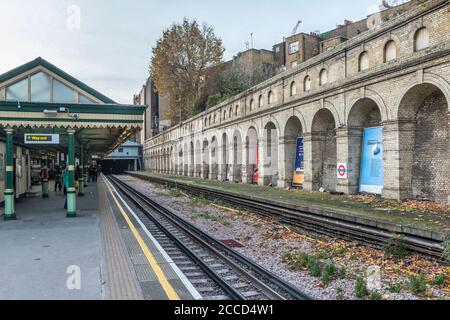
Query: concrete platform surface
106	252
42	251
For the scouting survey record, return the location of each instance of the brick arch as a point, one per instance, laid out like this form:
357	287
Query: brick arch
327	106
428	78
275	122
375	97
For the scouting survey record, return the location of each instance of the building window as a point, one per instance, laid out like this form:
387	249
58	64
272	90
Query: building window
307	84
363	61
421	39
260	101
323	77
18	91
269	97
224	114
62	93
230	113
390	51
40	87
293	89
293	47
85	100
251	105
236	110
215	118
120	150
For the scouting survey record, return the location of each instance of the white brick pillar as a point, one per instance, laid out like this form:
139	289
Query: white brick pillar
262	165
283	179
221	163
248	174
399	140
348	148
308	160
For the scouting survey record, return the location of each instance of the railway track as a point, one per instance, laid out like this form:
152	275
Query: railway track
311	222
217	271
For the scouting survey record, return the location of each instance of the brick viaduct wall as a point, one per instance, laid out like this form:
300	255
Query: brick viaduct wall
407	96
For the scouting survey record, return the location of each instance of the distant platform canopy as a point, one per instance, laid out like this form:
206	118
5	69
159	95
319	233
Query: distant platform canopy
40	98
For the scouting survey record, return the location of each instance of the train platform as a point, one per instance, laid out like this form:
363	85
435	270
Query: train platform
102	254
389	215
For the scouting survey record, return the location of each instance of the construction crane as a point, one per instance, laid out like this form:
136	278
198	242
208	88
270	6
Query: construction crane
294	31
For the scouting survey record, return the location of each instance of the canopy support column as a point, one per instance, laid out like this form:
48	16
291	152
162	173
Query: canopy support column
10	213
81	174
71	191
45	175
86	169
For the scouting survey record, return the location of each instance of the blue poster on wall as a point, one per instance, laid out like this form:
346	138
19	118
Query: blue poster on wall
299	169
372	166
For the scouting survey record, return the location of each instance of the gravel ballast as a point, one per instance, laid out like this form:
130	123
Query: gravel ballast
267	243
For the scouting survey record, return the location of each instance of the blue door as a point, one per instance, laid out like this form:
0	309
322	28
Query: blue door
372	166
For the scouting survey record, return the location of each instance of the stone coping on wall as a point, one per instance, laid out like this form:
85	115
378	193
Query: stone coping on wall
429	225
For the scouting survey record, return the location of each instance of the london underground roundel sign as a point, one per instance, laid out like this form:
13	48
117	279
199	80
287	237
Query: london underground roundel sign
342	170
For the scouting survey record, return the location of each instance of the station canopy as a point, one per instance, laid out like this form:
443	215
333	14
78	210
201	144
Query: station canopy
41	100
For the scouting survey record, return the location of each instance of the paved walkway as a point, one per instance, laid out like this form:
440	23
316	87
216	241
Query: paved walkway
428	224
39	249
100	254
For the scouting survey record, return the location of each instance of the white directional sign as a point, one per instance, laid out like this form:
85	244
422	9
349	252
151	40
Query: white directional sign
35	138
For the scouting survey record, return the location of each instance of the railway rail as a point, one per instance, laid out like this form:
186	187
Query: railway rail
217	271
309	221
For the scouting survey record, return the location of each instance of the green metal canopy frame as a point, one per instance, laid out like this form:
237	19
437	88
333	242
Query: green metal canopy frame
84	129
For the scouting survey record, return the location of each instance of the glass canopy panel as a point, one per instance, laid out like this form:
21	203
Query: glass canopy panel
18	91
62	93
84	99
40	87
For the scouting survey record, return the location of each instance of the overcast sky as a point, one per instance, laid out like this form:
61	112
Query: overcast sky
108	46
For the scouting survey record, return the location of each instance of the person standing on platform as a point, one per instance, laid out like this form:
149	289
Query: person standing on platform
91	173
58	176
95	173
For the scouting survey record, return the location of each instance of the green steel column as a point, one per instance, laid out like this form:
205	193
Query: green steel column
10	213
85	169
81	177
45	177
71	191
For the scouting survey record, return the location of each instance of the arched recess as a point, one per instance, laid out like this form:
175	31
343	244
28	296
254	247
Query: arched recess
237	156
198	159
292	131
191	159
206	160
323	147
185	159
214	159
180	160
270	154
167	160
365	147
251	155
172	164
424	144
225	157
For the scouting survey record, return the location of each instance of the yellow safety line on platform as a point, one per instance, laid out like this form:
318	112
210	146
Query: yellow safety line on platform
171	294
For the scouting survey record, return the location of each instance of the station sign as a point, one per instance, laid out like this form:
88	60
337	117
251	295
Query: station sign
372	163
299	169
342	170
32	138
